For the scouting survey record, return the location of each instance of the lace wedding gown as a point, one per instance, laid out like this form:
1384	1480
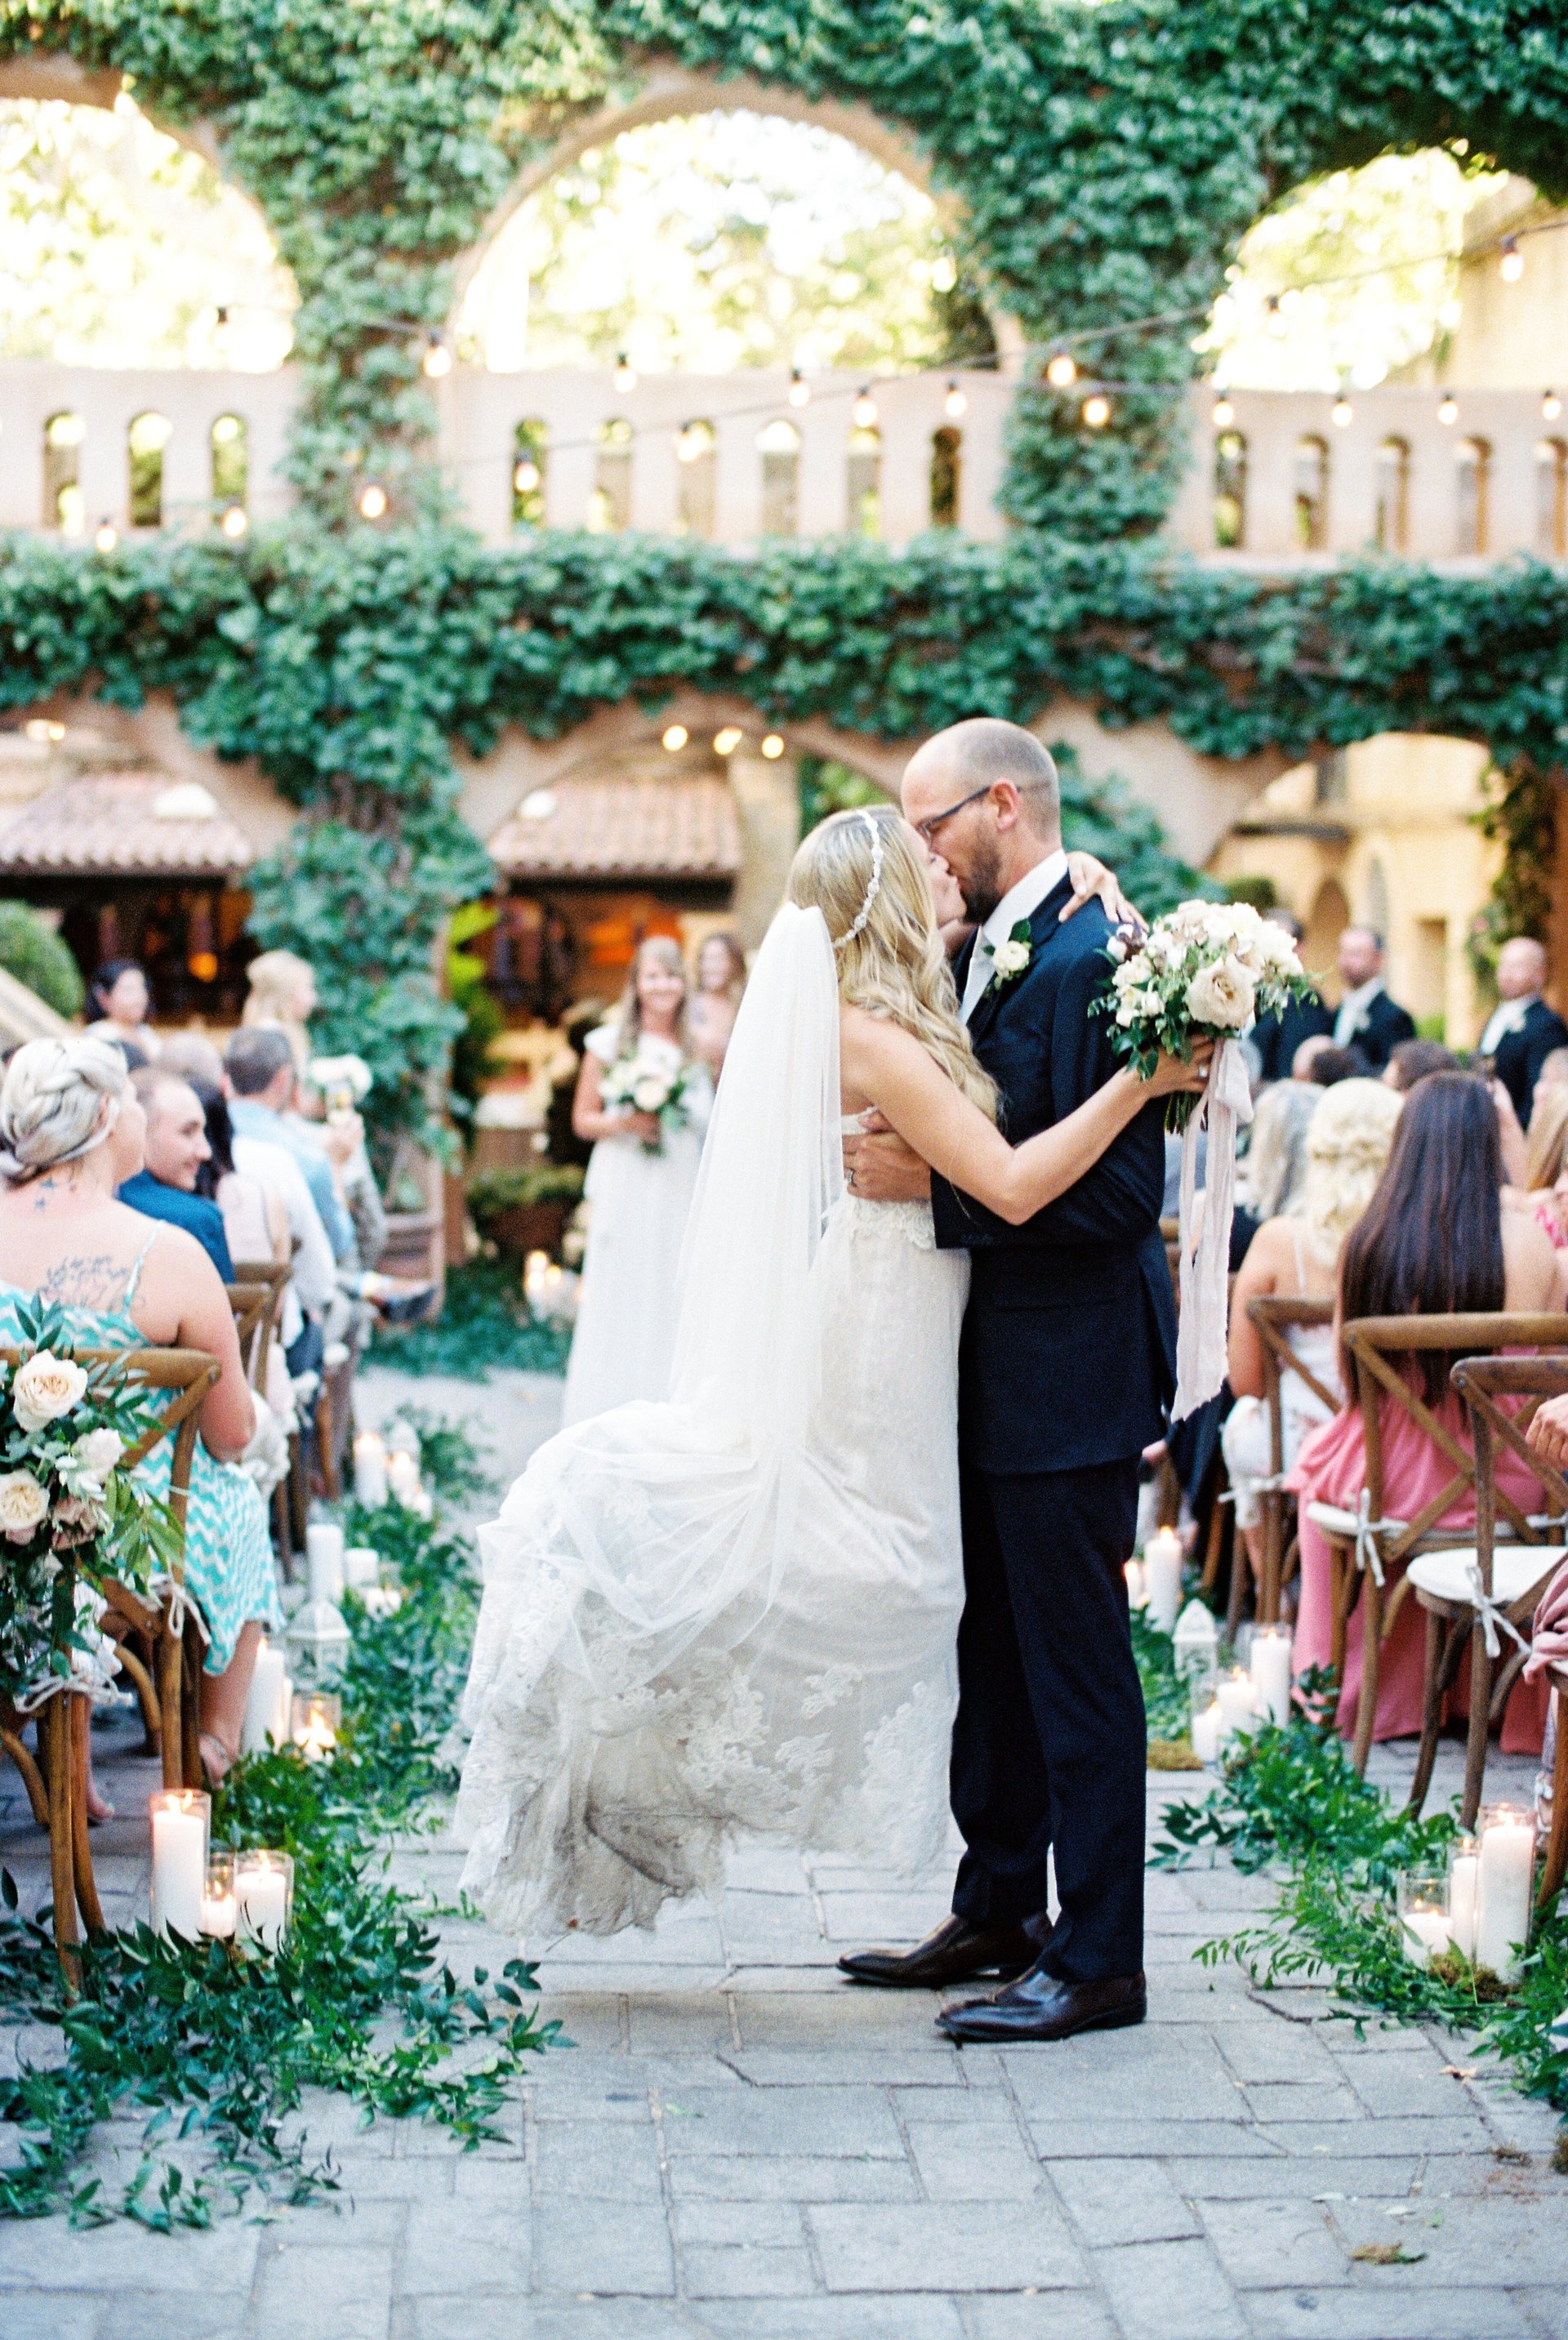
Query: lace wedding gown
735	1614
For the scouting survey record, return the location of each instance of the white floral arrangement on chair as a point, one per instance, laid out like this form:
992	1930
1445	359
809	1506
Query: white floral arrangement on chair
642	1083
1203	972
72	1516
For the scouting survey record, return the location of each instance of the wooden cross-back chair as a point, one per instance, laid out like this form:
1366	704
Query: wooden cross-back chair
1489	1579
256	1297
1274	1318
163	1664
1368	1546
1555	1863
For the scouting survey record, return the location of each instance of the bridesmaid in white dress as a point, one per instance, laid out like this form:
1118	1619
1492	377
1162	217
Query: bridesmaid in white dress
638	1200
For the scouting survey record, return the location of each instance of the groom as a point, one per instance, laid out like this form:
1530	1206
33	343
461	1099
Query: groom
1068	1355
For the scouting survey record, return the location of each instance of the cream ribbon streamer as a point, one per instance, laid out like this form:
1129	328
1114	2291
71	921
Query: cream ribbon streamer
1224	1107
1492	1613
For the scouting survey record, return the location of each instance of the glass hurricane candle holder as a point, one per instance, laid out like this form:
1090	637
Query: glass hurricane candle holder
1209	1729
1463	1866
1236	1702
1505	1864
218	1906
318	1718
1423	1928
182	1821
264	1897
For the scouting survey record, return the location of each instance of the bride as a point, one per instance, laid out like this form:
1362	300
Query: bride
735	1612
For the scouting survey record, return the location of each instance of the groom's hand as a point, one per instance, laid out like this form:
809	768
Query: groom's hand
880	1168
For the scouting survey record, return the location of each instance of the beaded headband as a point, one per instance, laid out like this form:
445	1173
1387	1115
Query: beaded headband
872	890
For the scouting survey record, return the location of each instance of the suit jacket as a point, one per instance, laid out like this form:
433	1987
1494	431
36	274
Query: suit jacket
1383	1025
1519	1055
1276	1038
1068	1351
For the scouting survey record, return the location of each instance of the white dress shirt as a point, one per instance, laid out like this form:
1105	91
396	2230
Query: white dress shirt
315	1275
1352	1010
1020	903
1508	1017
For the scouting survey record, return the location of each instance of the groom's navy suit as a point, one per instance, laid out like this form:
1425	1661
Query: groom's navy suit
1067	1361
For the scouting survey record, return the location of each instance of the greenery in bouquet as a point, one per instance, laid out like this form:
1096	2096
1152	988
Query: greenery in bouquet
71	1517
1205	971
639	1084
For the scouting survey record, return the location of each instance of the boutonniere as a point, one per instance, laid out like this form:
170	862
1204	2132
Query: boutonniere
1009	959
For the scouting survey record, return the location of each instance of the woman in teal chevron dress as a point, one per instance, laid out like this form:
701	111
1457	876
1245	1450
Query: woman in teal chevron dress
71	1132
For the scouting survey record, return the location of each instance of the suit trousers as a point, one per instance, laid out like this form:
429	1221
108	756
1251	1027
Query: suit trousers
1049	1744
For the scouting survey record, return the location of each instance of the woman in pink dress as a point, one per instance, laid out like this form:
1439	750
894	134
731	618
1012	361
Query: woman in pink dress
1436	1239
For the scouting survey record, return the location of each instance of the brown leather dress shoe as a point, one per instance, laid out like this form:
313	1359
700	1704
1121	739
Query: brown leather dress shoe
1038	2007
956	1952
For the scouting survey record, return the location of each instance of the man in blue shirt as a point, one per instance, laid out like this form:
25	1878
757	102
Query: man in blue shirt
260	1065
166	1188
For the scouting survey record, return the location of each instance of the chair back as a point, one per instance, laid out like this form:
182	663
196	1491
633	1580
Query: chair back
1274	1318
1482	1383
1378	1348
186	1376
256	1297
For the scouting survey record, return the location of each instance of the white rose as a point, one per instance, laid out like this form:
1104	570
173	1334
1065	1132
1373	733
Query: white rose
23	1503
45	1387
1010	958
1148	1003
1276	949
95	1456
649	1093
1222	994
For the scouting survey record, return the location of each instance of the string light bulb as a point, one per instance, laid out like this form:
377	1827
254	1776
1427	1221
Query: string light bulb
437	358
1342	415
525	476
1550	406
675	738
866	412
372	499
1097	411
1447	409
955	405
625	375
799	387
1062	371
1511	265
106	536
235	522
725	743
773	746
1224	415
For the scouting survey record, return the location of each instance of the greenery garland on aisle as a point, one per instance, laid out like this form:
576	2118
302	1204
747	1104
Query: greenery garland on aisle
210	2048
1290	1804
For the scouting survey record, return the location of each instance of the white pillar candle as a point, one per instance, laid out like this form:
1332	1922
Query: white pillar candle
262	1900
1506	1865
1163	1562
1235	1699
1425	1935
1270	1666
534	1279
325	1554
1462	1883
402	1476
1208	1732
362	1566
1138	1590
369	1469
260	1725
218	1900
179	1861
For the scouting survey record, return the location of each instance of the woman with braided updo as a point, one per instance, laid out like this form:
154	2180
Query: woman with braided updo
72	1131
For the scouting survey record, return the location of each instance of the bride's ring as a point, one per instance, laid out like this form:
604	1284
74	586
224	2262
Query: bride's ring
849	1177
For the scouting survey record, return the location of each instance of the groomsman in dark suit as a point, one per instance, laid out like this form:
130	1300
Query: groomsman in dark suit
1275	1039
1367	1017
1523	1030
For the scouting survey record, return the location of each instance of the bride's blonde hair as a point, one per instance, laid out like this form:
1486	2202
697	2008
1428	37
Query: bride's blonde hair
861	869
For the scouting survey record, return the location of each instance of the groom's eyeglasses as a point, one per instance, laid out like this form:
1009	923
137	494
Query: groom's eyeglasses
928	829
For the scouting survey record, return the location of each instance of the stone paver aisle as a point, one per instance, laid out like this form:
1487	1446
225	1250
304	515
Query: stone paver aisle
739	2146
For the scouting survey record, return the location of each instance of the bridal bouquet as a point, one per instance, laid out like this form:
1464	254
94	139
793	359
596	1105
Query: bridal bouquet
1203	972
71	1517
642	1083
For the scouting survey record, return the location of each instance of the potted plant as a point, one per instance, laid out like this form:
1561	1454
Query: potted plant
526	1210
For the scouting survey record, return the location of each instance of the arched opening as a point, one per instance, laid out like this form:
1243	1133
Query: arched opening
1326	922
697	452
1390	518
529	445
947	472
778	444
1312	494
62	505
1472	482
1230	490
1552	498
229	443
863	482
145	441
610	507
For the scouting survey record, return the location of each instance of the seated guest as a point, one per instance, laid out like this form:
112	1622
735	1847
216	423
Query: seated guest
1295	1254
1521	1031
1414	1059
175	1149
256	1224
260	1063
1545	1186
72	1130
1273	1040
1366	1016
1329	1064
1436	1239
1275	1163
194	1057
119	991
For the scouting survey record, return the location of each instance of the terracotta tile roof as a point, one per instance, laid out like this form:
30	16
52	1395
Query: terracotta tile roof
620	828
133	824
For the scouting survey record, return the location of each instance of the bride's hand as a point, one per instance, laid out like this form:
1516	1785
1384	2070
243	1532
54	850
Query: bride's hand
1093	882
645	1126
1173	1077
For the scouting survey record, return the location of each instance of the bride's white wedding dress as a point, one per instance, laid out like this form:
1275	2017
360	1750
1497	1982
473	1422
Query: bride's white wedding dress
735	1614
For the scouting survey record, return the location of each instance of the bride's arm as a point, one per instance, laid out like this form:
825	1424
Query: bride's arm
888	1064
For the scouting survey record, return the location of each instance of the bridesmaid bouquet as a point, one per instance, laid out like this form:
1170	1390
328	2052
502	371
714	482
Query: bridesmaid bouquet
640	1084
71	1517
1203	972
